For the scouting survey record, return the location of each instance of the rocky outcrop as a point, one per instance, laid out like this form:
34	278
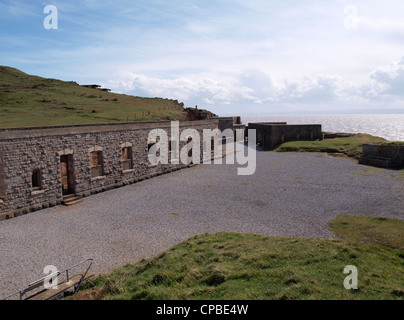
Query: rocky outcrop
194	114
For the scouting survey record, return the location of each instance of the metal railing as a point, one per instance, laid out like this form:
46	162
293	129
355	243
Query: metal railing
38	283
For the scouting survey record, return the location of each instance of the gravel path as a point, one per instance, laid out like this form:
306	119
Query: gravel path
291	194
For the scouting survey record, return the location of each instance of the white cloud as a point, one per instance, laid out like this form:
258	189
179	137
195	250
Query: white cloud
254	87
389	80
182	88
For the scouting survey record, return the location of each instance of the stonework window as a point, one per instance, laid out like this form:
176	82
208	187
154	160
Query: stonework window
96	166
36	180
127	163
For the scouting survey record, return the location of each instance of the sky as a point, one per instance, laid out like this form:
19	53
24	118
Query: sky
232	57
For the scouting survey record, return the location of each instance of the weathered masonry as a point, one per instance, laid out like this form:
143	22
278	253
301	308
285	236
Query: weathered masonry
233	123
390	156
272	134
41	166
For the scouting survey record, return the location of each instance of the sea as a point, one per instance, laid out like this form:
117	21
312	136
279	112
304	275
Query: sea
387	126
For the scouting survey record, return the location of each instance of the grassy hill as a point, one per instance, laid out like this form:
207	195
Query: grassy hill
27	100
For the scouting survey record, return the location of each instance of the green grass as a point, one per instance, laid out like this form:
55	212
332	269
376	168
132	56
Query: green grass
248	266
370	230
350	146
27	100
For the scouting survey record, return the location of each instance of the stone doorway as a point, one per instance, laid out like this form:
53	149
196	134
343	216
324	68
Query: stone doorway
67	174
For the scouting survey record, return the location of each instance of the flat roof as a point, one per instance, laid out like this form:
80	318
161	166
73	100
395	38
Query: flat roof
279	124
11	133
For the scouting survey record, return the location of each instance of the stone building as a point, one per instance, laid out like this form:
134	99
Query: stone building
272	134
44	166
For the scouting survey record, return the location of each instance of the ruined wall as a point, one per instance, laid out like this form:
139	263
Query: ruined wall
229	122
25	150
232	123
272	134
263	131
389	156
284	133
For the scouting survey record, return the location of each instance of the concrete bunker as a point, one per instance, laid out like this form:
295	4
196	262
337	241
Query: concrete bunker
271	134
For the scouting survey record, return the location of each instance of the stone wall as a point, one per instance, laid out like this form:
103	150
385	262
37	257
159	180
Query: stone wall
228	122
270	135
390	156
233	123
24	150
